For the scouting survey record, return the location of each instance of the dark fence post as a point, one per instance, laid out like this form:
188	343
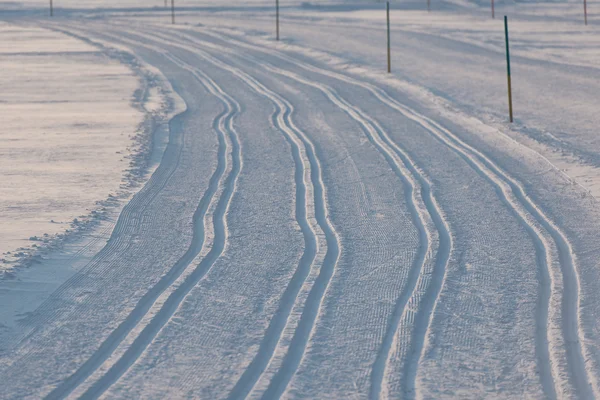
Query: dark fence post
51	8
389	47
510	107
277	19
173	11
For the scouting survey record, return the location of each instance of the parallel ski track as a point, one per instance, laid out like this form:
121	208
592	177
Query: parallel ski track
219	245
512	192
127	224
515	196
227	137
424	210
281	321
313	304
308	182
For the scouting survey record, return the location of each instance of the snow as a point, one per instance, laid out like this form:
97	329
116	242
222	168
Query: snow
68	127
457	60
98	120
314	227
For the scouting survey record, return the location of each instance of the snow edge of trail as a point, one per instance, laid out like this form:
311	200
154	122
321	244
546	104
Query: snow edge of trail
158	103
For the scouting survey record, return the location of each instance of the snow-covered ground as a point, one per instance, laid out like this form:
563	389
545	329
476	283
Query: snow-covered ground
82	130
67	137
317	228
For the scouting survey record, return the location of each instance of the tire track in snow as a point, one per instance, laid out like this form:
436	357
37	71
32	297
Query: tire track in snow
548	347
224	126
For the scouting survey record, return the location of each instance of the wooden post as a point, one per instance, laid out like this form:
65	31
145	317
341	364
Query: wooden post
585	11
428	5
389	48
510	107
277	19
173	12
51	8
493	11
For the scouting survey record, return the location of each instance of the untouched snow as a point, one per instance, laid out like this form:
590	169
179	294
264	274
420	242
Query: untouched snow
67	135
317	228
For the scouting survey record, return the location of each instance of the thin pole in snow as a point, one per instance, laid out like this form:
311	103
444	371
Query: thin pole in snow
510	107
585	11
493	12
428	5
51	9
389	49
173	12
277	19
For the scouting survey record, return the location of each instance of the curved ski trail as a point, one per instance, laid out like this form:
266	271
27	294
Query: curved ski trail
565	310
312	291
312	306
298	293
426	277
228	148
428	272
560	292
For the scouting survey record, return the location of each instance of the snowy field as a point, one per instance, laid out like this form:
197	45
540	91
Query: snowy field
60	152
305	225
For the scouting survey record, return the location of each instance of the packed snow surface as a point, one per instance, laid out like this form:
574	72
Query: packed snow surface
318	228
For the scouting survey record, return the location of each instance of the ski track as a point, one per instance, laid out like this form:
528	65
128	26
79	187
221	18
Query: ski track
312	306
535	222
282	116
560	342
128	223
514	194
306	218
308	180
315	297
422	323
224	126
218	247
406	171
425	212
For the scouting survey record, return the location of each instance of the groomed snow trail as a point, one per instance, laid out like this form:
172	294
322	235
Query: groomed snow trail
306	161
542	247
227	140
310	234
